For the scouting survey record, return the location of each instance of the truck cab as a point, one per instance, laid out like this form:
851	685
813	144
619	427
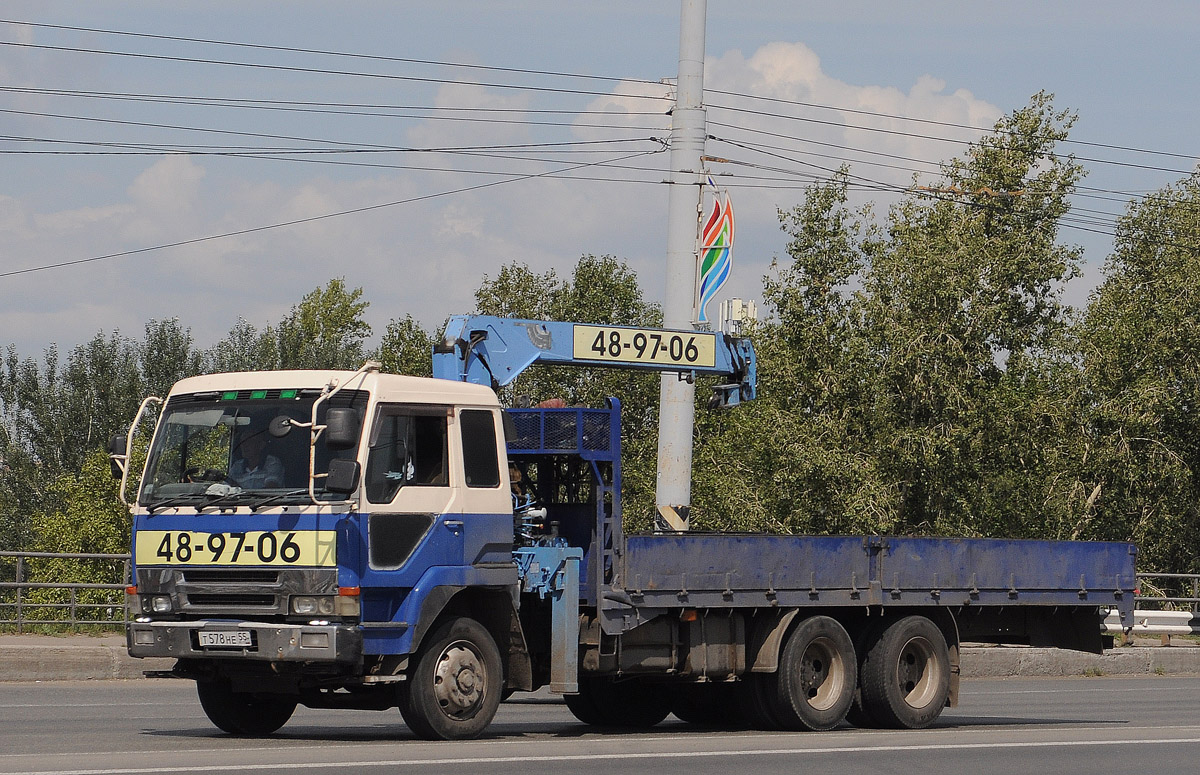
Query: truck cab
297	533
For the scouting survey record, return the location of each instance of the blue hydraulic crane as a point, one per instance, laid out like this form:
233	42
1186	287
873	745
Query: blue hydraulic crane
489	350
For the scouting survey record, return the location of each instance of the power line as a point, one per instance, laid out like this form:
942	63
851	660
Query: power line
311	219
936	138
570	146
562	74
325	71
325	52
933	122
308	106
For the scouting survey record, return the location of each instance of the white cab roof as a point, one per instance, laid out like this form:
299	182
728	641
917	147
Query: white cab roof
383	387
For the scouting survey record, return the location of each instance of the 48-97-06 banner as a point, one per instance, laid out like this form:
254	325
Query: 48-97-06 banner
307	548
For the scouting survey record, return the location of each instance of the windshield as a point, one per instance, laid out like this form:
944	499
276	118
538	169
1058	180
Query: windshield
239	448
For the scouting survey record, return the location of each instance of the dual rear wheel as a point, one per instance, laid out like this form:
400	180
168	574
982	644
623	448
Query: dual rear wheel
902	678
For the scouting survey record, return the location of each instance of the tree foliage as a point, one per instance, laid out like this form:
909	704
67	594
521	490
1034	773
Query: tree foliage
407	348
1140	371
600	290
905	365
325	330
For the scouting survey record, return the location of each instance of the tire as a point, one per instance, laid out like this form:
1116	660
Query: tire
814	686
629	704
752	698
706	704
241	714
858	716
455	686
583	704
906	675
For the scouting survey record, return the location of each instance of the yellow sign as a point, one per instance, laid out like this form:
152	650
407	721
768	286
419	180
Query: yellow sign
307	548
611	344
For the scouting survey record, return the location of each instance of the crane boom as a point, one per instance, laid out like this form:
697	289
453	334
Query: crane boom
489	350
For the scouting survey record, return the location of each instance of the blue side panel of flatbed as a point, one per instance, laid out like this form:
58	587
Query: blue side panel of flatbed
710	570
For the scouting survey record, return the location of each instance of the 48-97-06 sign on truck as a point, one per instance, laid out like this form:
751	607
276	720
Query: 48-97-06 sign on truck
613	344
307	548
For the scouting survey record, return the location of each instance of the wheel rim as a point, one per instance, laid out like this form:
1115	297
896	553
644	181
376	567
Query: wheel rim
460	680
822	674
918	673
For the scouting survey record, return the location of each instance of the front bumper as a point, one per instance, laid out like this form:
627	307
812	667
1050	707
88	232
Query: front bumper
270	642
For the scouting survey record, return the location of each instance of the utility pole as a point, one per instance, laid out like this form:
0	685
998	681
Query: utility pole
676	396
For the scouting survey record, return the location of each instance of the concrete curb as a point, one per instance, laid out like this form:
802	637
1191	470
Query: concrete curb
81	658
999	661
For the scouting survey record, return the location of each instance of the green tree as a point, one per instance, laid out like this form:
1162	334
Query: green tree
325	330
908	373
600	290
406	348
243	349
167	355
1139	344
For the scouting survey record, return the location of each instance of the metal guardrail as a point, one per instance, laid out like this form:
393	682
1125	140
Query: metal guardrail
1174	613
29	599
1176	587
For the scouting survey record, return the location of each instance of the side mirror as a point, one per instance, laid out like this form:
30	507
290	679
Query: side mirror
341	428
343	476
117	452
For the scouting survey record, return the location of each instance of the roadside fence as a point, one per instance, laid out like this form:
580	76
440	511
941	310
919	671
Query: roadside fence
35	592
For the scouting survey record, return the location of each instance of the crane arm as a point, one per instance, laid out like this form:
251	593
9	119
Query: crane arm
489	350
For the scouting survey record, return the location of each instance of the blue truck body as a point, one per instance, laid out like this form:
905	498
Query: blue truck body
542	586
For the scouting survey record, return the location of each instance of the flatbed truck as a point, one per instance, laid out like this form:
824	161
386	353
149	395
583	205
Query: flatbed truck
365	540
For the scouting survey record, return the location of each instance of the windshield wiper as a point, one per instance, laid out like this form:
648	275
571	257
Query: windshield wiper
178	500
277	498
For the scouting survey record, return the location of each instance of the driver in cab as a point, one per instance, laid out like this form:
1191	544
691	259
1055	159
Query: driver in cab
256	469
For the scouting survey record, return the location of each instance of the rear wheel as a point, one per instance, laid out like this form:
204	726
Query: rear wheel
242	714
706	704
906	675
817	671
752	699
455	687
631	703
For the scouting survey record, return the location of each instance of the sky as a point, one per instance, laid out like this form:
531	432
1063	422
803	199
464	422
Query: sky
436	142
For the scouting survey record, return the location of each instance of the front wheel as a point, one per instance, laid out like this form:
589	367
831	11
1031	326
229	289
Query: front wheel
906	675
245	715
455	688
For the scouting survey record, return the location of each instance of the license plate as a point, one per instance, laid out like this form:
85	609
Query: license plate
225	639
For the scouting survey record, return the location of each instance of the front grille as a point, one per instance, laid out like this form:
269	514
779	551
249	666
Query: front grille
231	575
231	601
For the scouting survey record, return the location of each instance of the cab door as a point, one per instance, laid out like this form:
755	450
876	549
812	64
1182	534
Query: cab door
414	518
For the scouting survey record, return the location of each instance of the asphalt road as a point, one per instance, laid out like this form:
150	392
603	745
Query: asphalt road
1064	726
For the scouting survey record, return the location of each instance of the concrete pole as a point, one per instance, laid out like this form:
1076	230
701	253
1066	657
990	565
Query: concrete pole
676	396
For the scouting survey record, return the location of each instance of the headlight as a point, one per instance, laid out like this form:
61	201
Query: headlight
161	604
308	605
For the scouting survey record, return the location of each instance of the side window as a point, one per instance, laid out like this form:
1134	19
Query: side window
407	449
479	448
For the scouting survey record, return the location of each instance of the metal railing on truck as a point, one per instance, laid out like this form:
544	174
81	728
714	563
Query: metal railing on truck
34	596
